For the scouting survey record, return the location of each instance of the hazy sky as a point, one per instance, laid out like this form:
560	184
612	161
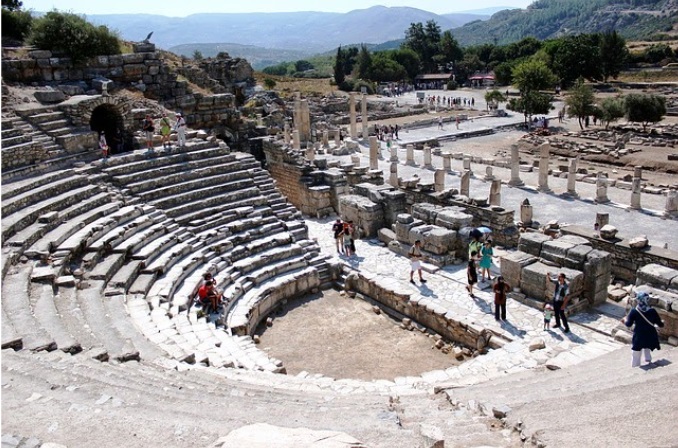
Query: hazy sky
180	8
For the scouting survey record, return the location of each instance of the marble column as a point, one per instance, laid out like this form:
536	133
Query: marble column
495	192
489	175
526	213
671	202
355	161
351	111
363	104
447	161
572	177
305	126
601	189
439	180
410	156
296	140
428	159
286	133
465	189
635	187
393	178
544	152
515	167
394	153
467	162
326	139
374	153
337	138
310	152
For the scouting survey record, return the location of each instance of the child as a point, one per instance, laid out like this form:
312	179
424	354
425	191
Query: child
548	314
471	273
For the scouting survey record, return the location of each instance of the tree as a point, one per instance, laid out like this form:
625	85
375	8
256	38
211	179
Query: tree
197	55
16	24
450	51
494	96
339	75
610	110
385	69
303	65
580	102
73	36
613	54
644	109
529	78
425	42
409	60
364	62
12	5
269	83
575	57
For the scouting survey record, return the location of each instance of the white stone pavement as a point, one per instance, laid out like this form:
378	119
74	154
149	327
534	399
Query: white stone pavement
446	288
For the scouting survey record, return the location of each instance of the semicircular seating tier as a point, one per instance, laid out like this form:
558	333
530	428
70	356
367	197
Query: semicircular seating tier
105	259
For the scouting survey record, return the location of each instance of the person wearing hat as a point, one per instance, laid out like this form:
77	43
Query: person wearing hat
645	336
180	127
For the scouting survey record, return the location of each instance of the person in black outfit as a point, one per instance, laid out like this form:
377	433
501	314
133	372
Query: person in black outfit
561	296
645	336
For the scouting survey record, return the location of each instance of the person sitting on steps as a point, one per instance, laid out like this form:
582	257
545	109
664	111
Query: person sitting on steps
209	297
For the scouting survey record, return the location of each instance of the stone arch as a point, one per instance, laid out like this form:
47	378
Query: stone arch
108	114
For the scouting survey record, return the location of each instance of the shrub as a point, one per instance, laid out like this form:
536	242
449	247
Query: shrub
73	36
452	84
16	24
359	84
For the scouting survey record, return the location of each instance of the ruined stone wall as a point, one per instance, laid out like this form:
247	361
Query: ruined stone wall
661	283
626	261
420	309
144	70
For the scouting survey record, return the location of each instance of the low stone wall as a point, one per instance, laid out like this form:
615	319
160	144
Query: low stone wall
662	285
626	260
23	155
420	309
587	269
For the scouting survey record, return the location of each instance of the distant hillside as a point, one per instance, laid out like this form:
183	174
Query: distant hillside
544	19
310	32
258	57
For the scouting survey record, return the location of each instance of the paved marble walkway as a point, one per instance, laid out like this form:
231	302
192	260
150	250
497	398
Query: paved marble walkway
446	288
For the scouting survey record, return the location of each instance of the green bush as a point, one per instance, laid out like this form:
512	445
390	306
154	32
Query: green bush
360	83
452	84
16	24
72	36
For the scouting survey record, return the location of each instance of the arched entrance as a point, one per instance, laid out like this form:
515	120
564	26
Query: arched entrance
106	118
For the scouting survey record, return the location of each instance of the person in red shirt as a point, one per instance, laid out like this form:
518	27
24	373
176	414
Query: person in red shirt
209	297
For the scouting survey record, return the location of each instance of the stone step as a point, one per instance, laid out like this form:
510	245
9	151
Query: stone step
137	161
213	194
91	302
56	133
107	267
228	225
142	284
17	307
76	217
51	125
73	319
44	117
157	246
9	142
208	218
10	338
16	188
7	132
168	258
173	174
125	276
116	309
221	182
41	193
47	315
117	235
267	257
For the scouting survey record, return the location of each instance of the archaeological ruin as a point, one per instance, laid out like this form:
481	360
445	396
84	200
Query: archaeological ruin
103	256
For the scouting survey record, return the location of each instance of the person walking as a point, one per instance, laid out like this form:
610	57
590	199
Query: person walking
180	127
415	261
485	264
165	129
338	230
500	288
471	274
561	296
103	145
147	127
645	336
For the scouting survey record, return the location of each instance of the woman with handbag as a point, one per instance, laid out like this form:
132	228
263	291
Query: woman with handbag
645	335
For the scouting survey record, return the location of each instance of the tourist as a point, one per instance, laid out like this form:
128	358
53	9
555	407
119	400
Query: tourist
596	230
338	229
485	264
165	129
209	297
475	245
147	127
471	274
561	296
548	314
348	241
645	335
456	120
395	131
353	232
440	122
180	127
103	146
500	289
415	261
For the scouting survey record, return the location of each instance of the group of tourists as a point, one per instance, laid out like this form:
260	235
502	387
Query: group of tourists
209	298
449	101
386	132
345	234
165	129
